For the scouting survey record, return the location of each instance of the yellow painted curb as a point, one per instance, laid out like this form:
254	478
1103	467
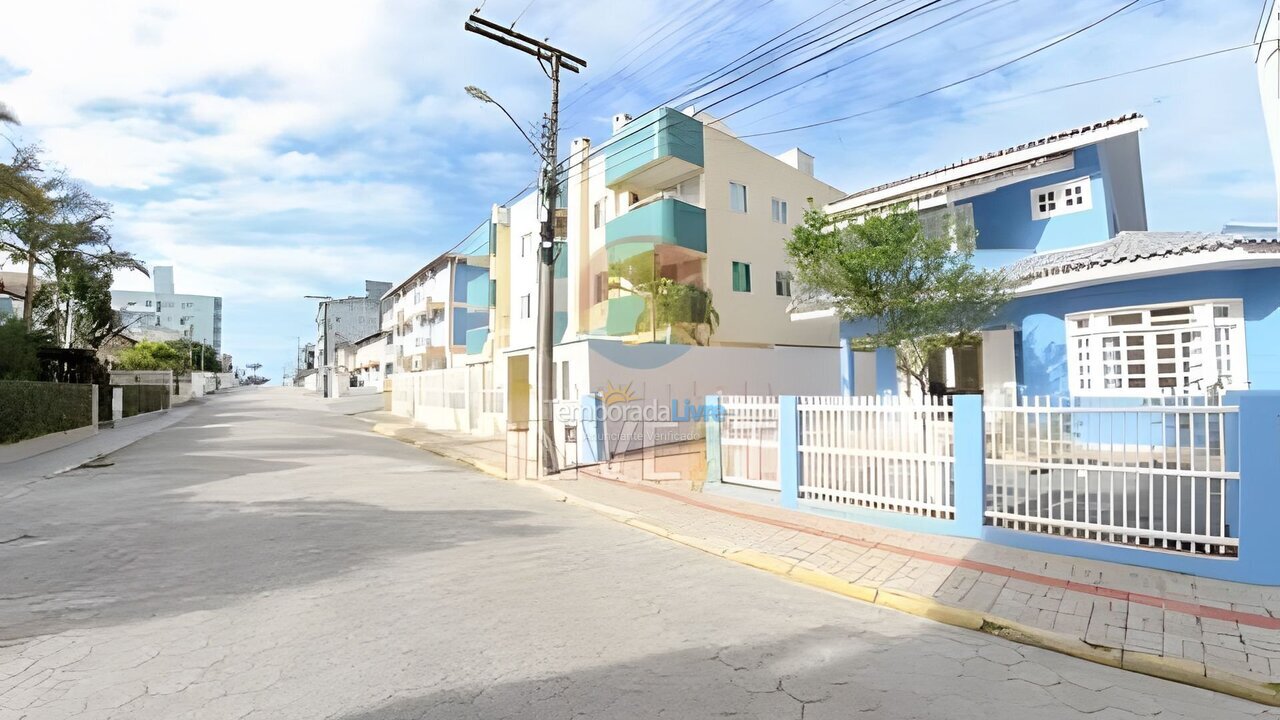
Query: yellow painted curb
1180	670
1036	637
701	544
761	561
831	583
928	608
1225	682
648	527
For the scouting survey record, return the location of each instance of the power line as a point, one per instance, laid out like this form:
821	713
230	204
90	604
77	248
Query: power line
594	86
522	12
861	57
952	84
828	51
703	27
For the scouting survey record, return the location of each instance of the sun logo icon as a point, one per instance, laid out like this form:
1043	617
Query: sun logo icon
614	395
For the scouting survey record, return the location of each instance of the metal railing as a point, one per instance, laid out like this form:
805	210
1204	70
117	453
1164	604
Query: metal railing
880	453
1152	475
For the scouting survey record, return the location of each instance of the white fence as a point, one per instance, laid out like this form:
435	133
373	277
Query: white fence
879	453
1154	476
449	399
749	440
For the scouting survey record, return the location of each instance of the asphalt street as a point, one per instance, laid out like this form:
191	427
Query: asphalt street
266	558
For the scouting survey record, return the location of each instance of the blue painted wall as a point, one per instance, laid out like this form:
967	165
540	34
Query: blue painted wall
1041	358
462	281
465	320
1003	217
477	289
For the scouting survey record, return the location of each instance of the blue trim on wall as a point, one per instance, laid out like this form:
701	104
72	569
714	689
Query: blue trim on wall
846	368
713	417
886	371
788	451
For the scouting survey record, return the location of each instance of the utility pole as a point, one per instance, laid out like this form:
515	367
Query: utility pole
556	59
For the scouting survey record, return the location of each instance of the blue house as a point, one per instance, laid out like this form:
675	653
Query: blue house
1104	308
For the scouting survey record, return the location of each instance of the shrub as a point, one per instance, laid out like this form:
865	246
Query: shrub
31	409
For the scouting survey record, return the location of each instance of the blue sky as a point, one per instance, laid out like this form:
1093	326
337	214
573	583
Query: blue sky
275	150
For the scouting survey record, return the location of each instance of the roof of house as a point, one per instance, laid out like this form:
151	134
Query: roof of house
14	284
1038	149
1126	247
1134	246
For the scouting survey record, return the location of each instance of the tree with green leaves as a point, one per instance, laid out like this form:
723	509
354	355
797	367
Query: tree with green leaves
916	291
150	355
684	310
198	355
19	350
46	218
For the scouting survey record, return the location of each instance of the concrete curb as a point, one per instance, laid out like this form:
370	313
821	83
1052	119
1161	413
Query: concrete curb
1177	670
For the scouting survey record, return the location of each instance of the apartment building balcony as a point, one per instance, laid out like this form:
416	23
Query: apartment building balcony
654	151
663	222
476	339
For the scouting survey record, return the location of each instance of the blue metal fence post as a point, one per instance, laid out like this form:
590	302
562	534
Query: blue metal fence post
1257	496
591	446
713	416
789	451
971	465
846	368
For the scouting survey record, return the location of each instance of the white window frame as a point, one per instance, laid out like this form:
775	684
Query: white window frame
1165	354
783	276
526	310
1064	198
598	218
746	200
778	210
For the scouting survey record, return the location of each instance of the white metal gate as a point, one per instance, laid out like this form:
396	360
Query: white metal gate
749	440
882	453
1151	475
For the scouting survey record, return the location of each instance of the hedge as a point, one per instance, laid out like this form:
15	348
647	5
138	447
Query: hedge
31	409
140	399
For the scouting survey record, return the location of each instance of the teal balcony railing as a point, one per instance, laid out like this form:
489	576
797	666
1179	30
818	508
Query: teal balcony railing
669	222
476	338
654	150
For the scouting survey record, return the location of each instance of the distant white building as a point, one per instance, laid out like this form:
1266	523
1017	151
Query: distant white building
345	320
162	314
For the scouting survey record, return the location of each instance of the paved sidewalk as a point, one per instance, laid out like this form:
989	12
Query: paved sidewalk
1210	633
16	477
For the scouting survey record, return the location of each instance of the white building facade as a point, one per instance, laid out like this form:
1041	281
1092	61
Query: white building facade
164	314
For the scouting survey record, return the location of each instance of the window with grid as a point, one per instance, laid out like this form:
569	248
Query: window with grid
778	210
1185	349
1061	199
741	276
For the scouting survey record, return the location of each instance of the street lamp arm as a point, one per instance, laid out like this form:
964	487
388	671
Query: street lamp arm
484	97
